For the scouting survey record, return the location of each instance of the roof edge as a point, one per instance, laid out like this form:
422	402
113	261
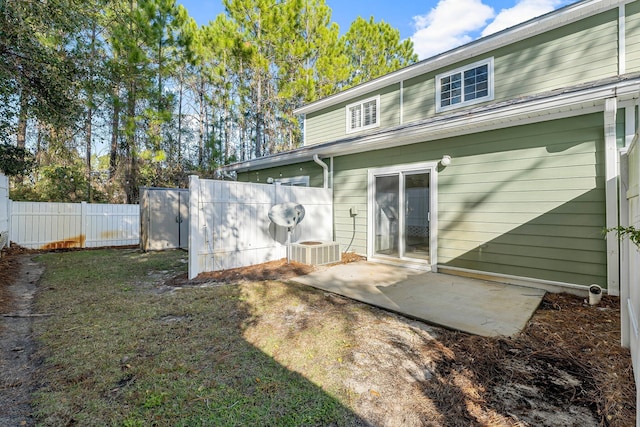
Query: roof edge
535	26
485	118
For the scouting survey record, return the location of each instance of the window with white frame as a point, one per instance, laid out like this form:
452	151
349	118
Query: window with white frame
465	86
296	181
363	115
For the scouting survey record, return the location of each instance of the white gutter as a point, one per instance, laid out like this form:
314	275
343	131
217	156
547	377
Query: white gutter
533	27
502	115
325	170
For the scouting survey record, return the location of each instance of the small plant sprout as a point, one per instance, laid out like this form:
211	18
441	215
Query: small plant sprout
631	232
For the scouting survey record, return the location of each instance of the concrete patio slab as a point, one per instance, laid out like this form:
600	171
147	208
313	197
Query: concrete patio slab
469	305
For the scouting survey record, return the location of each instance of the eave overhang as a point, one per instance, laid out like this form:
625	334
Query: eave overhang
533	27
551	106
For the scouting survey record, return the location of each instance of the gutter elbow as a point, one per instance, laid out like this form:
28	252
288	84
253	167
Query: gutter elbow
325	172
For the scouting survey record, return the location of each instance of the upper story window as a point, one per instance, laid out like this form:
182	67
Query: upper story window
465	86
363	115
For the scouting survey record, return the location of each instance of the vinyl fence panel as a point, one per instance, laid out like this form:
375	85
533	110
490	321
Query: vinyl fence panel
4	211
230	226
111	225
38	225
630	261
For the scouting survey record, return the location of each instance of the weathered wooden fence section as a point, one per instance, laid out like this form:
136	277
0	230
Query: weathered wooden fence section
630	261
38	225
4	211
229	225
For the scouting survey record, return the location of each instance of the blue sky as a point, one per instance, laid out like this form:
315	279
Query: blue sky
435	26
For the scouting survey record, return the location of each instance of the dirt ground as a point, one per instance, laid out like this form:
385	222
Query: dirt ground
18	281
565	369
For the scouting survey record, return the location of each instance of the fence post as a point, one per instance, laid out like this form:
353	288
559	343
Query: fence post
195	238
9	215
83	223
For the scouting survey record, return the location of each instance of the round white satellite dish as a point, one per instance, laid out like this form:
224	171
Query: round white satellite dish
286	214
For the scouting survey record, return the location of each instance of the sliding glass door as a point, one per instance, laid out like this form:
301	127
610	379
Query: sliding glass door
416	215
387	195
400	201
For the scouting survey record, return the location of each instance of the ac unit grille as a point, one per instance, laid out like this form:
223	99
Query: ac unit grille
315	253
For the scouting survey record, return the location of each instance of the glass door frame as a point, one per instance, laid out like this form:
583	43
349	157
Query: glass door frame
402	170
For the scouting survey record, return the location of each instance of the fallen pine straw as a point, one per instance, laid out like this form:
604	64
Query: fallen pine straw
565	368
584	347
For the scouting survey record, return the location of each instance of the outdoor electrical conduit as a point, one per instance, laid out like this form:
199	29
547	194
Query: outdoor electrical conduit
325	167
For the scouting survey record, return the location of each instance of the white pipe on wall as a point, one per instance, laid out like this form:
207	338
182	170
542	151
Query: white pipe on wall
325	170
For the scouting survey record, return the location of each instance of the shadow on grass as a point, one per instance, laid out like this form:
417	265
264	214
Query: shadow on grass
115	352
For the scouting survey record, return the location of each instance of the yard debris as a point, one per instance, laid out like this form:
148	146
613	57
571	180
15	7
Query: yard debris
272	270
565	369
568	355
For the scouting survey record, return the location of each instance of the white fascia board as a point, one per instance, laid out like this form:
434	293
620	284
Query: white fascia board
551	108
533	27
304	154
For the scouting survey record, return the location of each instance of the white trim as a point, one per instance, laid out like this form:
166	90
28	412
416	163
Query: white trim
430	167
611	195
549	285
629	124
554	107
622	43
625	279
304	129
633	317
401	102
556	19
361	103
298	181
461	70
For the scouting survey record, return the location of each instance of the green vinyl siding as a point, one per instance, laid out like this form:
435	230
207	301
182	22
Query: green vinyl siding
632	37
526	201
331	123
351	182
576	53
310	169
419	98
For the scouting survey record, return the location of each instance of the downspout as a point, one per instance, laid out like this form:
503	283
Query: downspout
331	172
325	170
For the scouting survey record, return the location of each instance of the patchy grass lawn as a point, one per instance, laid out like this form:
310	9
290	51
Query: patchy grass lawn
120	350
128	344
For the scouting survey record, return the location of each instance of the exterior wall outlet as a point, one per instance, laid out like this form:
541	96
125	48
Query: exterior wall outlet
353	211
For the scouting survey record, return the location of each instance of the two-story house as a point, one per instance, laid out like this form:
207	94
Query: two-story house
496	159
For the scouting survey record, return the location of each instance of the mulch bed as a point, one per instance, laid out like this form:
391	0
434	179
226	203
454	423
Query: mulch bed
565	336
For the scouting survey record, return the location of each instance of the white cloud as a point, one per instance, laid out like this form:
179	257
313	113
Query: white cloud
522	11
448	25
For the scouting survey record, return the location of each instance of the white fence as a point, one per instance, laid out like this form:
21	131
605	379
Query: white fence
630	257
38	225
229	225
4	211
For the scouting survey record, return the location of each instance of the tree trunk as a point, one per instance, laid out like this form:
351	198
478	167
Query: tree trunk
180	91
202	121
88	131
89	120
131	175
115	131
258	143
21	136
